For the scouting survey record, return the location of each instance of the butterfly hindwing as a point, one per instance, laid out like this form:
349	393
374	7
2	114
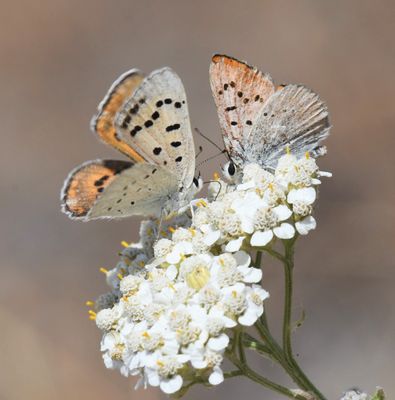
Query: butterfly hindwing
294	116
103	123
239	92
116	189
86	183
155	122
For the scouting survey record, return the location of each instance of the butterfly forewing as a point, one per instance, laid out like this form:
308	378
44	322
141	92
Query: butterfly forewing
103	123
155	122
240	92
295	117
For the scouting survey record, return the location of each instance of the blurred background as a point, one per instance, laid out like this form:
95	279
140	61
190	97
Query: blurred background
58	59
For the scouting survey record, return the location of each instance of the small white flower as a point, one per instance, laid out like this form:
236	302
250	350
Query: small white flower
354	395
162	247
180	249
210	235
106	318
255	297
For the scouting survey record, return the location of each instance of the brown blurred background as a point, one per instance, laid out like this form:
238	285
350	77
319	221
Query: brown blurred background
57	60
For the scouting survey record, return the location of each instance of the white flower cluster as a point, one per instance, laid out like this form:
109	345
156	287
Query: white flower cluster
175	301
263	205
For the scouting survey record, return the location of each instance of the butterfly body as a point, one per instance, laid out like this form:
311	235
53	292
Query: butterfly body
259	120
147	120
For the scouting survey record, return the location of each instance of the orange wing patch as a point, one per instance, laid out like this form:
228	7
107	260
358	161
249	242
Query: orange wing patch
103	122
85	184
240	92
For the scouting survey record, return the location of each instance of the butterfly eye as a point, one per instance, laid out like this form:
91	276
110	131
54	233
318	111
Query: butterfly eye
231	169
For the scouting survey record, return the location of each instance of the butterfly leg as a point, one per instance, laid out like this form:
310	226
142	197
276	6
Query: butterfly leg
160	220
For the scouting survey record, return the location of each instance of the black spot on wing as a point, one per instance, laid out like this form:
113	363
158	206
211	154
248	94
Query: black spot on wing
157	150
134	109
176	144
173	127
135	130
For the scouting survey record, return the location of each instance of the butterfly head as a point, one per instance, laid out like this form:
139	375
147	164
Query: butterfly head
231	172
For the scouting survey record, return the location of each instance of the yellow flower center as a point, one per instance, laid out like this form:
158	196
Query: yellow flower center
198	277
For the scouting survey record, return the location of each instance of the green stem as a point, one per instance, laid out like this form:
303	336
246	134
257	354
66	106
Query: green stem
258	259
241	347
287	327
252	344
232	374
249	373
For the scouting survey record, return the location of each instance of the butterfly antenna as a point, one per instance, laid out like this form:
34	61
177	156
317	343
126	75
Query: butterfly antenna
209	140
210	158
199	152
220	187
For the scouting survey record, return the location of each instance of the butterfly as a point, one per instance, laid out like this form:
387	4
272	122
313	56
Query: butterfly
147	120
259	119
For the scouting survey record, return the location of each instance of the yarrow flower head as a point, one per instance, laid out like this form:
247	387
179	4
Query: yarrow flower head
180	295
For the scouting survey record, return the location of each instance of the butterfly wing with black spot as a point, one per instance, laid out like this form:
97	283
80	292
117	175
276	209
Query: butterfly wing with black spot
103	123
155	123
295	117
116	189
239	92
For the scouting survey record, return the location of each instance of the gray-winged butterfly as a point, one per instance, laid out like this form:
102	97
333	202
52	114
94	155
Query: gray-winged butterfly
259	120
146	119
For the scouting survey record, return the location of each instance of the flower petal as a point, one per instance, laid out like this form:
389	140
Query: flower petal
173	257
171	385
259	238
306	225
218	343
251	275
242	258
306	195
216	377
282	212
171	272
249	317
284	231
234	245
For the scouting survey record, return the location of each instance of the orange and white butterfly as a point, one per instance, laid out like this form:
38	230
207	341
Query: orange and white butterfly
259	120
146	119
